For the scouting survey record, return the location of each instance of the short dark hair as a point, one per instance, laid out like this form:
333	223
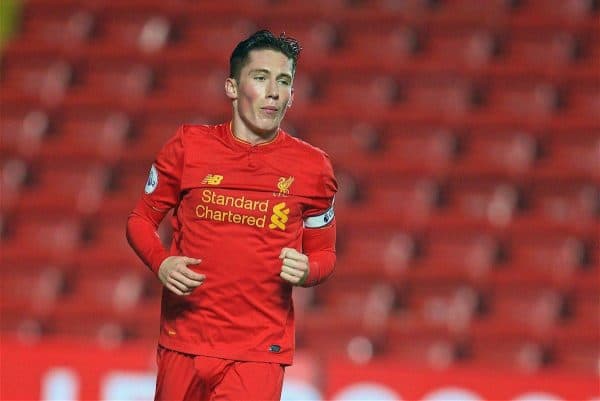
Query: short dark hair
263	39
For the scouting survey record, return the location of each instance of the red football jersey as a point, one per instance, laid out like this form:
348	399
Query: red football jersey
236	206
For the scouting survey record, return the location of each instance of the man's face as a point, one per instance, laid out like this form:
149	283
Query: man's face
264	90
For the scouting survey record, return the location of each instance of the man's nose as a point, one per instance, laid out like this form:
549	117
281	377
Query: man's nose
272	90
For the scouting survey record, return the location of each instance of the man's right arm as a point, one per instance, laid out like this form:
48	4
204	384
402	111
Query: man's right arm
143	237
161	194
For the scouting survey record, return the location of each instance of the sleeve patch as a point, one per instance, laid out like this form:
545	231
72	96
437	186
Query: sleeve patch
321	220
152	182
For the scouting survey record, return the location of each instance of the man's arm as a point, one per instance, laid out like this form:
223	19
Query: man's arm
161	195
317	262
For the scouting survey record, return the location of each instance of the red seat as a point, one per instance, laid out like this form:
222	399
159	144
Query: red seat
13	176
507	154
522	311
342	140
44	238
578	357
350	297
568	11
465	48
407	7
305	93
571	203
440	303
515	99
342	339
318	36
582	323
32	289
149	140
367	153
294	7
127	80
217	37
370	92
411	199
409	202
482	201
437	97
107	248
62	24
583	101
88	137
104	328
45	78
574	156
420	149
64	189
552	252
360	309
124	193
540	50
105	291
469	251
592	52
147	32
22	130
388	44
508	354
376	253
118	300
474	8
412	340
576	339
195	83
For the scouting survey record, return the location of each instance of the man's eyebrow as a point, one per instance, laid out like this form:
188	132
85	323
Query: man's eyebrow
264	70
259	70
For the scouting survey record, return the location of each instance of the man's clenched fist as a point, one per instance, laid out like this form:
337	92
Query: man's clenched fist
294	266
177	277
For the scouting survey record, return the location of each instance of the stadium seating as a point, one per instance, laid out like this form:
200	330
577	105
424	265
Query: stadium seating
464	134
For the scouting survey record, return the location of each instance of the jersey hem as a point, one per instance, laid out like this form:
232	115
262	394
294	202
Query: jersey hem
283	358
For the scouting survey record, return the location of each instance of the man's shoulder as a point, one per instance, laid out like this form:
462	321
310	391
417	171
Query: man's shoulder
306	149
199	131
201	135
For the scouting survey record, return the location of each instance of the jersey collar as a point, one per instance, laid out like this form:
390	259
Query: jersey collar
237	143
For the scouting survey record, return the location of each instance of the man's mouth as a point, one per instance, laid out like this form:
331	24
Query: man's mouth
270	110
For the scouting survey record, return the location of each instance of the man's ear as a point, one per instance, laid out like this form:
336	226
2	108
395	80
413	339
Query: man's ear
291	99
231	88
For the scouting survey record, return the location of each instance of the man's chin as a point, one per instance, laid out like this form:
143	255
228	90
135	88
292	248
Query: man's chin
266	130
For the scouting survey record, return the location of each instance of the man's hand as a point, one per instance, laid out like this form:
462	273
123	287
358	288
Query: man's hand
294	266
177	277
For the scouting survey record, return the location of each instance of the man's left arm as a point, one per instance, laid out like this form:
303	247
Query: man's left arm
317	261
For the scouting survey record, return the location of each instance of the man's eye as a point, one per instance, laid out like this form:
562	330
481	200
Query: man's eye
284	82
259	78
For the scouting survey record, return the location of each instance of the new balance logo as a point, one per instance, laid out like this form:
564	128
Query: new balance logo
279	216
212	179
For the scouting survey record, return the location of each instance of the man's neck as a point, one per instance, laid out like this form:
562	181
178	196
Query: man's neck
243	133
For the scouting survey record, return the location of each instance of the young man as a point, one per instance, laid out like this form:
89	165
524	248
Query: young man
253	217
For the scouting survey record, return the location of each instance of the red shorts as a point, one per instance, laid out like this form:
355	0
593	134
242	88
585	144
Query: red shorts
186	377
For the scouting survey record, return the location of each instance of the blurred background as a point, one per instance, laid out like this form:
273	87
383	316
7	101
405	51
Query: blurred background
465	135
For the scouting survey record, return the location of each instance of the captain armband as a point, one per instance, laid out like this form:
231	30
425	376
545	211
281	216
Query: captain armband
321	220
